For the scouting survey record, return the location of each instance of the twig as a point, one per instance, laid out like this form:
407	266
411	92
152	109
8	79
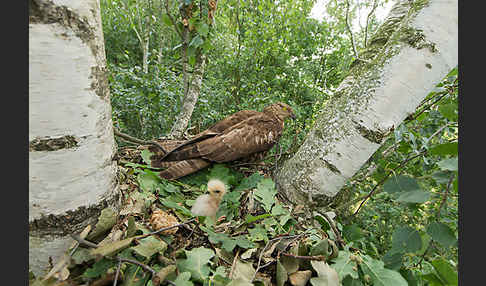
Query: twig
172	19
351	34
82	241
233	265
264	248
136	140
166	228
144	266
117	272
375	4
339	239
444	197
365	198
317	257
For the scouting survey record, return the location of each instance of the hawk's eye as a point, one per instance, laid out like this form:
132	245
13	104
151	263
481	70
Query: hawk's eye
217	191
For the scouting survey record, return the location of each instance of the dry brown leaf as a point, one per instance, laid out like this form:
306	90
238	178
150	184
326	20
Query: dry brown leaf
161	219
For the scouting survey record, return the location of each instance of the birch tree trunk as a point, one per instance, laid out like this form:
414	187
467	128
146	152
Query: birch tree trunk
410	53
190	99
72	176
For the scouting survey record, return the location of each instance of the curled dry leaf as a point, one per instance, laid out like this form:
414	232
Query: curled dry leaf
161	219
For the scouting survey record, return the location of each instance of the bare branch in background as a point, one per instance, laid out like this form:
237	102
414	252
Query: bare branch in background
375	4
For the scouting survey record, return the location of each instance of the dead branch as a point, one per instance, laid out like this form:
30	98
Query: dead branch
136	140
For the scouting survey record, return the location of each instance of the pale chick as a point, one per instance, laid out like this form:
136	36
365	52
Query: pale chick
208	204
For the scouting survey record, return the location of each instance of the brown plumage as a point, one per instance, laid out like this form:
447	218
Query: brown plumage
238	136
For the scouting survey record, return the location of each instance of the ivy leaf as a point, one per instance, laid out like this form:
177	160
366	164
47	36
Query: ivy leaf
406	240
196	263
417	196
265	193
183	279
149	246
344	265
243	271
380	275
352	232
400	183
441	233
326	275
448	164
249	182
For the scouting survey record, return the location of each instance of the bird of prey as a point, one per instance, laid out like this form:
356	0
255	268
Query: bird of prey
243	134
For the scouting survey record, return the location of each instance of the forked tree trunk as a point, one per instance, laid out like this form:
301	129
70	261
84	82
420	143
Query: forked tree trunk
72	176
410	53
190	99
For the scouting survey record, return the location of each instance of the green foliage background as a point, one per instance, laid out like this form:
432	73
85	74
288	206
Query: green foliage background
263	51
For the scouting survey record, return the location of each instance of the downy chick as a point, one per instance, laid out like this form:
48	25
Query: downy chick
208	204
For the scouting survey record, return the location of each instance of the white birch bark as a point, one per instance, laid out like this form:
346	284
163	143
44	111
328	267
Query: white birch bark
411	52
71	172
190	99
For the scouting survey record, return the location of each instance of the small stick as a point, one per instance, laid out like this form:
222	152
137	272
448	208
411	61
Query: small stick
117	272
334	229
317	257
135	140
83	241
233	265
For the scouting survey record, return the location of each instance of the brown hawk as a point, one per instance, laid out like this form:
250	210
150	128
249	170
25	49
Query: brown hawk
240	135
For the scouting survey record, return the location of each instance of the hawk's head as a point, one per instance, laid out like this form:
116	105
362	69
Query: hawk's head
280	109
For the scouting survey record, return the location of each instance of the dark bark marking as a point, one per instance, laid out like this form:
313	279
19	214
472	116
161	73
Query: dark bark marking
53	144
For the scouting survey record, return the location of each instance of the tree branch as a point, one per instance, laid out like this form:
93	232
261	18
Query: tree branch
375	4
136	140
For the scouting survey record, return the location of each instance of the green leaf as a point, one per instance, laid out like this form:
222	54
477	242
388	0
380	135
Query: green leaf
400	183
380	275
148	181
166	19
344	265
352	232
203	29
393	260
81	255
173	205
249	182
149	246
239	282
250	218
441	233
196	41
258	233
406	239
448	164
183	279
196	263
265	193
348	281
449	111
442	177
145	154
99	268
417	196
446	272
444	149
327	276
228	243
